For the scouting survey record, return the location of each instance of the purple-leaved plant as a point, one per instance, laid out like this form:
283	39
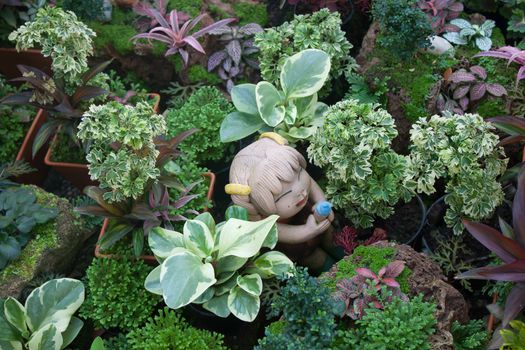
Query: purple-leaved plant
231	61
366	289
464	88
439	12
511	54
176	36
145	9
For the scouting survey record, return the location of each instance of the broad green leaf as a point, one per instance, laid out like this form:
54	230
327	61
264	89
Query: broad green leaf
243	98
227	285
162	242
7	331
98	344
244	238
305	104
198	238
238	125
16	316
243	305
54	302
251	284
271	264
72	331
152	282
229	263
305	73
225	276
208	220
218	305
184	277
206	296
10	345
237	212
290	114
269	102
46	338
271	240
302	132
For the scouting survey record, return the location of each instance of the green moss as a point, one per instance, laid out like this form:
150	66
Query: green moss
116	35
120	15
199	74
217	13
371	257
191	7
492	108
248	13
159	49
44	237
416	77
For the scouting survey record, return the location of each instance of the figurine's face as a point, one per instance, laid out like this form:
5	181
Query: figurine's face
294	196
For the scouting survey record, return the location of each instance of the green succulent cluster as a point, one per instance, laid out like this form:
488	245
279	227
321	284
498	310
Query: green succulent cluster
320	30
204	109
365	176
61	36
122	155
169	330
402	324
463	150
115	293
404	27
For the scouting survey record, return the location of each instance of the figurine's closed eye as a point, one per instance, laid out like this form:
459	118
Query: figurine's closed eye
282	195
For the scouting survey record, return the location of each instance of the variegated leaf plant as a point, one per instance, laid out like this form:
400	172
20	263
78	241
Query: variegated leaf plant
218	266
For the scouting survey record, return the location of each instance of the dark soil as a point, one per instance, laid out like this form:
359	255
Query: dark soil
404	224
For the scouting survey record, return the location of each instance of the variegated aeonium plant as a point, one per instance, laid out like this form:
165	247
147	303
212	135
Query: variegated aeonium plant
218	266
46	320
291	110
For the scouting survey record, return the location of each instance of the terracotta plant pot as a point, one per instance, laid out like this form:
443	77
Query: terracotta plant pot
34	58
150	259
37	177
76	173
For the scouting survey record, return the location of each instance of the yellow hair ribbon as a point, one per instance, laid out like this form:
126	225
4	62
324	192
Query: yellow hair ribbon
274	136
238	189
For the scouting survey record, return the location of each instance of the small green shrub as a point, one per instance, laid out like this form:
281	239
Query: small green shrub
404	27
62	37
307	316
116	35
115	293
463	150
470	336
371	257
126	169
191	7
169	331
85	9
365	176
319	30
205	109
401	325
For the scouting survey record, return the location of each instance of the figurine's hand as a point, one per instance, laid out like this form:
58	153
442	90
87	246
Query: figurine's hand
330	217
316	228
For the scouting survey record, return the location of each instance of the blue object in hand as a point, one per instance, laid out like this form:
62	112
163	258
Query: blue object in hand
323	209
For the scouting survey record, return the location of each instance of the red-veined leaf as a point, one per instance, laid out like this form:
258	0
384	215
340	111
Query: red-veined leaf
215	25
395	268
511	272
479	71
390	282
478	91
496	90
461	91
362	271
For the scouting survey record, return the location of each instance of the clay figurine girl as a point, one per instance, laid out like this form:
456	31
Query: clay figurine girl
269	177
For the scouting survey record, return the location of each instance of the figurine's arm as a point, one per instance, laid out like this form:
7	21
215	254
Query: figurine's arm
294	234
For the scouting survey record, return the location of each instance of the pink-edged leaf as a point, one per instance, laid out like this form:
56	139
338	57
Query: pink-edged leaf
381	272
461	76
514	304
234	50
174	21
507	249
160	18
154	36
175	37
43	135
496	90
395	268
364	272
521	74
511	272
518	211
390	282
194	43
94	210
173	51
479	71
179	203
99	68
215	25
509	124
478	91
185	56
511	140
216	59
461	91
463	103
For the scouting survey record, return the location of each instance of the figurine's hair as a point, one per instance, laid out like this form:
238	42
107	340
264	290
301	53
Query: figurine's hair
263	166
